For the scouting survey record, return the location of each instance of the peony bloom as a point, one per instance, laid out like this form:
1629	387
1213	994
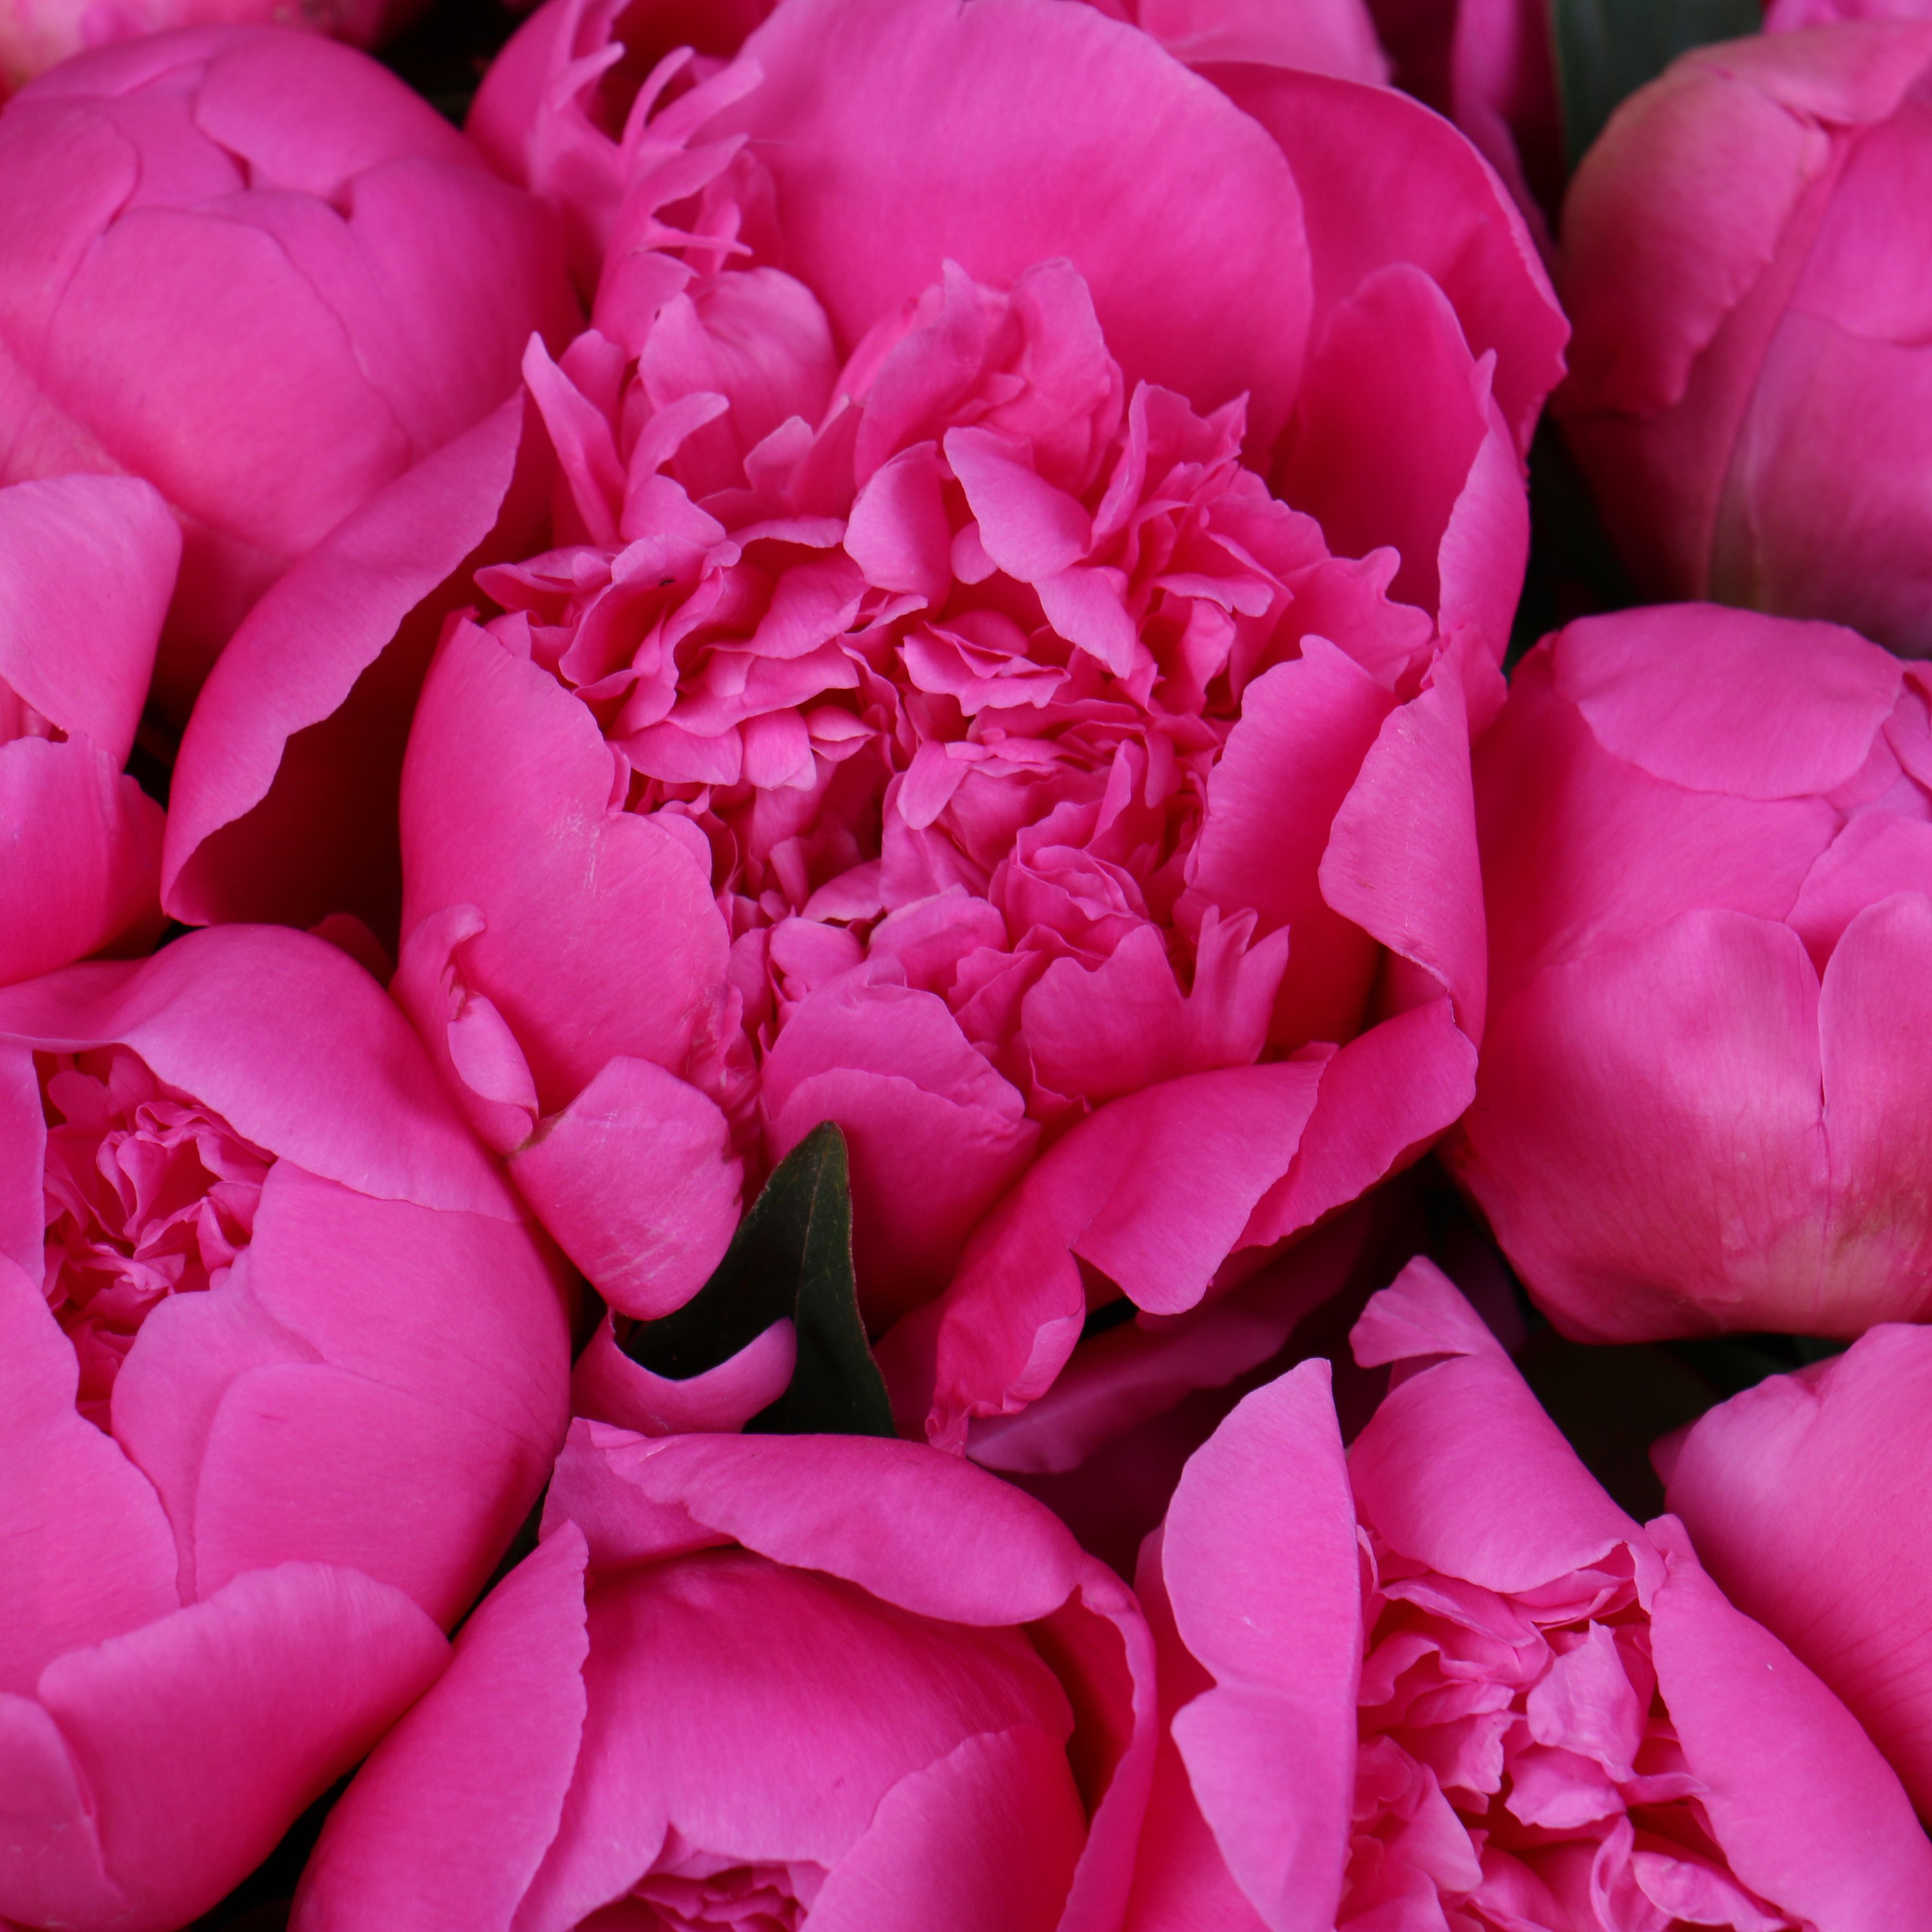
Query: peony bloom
1808	1499
1748	383
1707	846
87	565
37	34
929	718
282	1367
319	275
1444	1680
754	1681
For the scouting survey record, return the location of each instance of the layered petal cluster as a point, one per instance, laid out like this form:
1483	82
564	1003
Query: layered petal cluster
1444	1680
87	566
997	684
1748	384
1707	847
322	278
1807	1497
283	1365
37	34
766	1682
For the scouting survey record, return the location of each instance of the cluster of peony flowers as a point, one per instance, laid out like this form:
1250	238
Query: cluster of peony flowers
815	1037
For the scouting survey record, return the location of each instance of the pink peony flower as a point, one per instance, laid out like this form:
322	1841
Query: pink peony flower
271	232
282	1367
928	717
87	565
37	34
1445	1681
761	1682
1737	254
1808	1498
1707	843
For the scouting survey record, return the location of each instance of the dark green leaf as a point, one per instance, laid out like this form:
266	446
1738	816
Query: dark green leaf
1607	49
791	1257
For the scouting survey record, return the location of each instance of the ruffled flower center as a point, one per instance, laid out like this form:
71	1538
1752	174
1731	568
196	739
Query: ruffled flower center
929	661
689	1891
1518	1771
148	1193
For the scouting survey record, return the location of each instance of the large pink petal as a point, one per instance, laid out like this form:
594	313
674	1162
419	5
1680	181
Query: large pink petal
1807	1811
1392	417
1807	1499
1259	1557
901	136
1402	863
81	864
1153	1190
23	1137
405	1435
419	1838
1289	763
1581	850
1384	180
1646	1138
1873	1008
601	934
198	1739
1460	1468
988	1834
1383	1099
89	1552
1333	37
293	1043
638	1181
87	566
297	728
1725	700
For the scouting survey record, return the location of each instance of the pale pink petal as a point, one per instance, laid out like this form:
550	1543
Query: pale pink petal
607	1386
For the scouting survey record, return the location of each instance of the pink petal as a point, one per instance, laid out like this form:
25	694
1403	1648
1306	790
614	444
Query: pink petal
87	566
90	1554
606	1386
1336	37
81	868
921	124
417	1834
1259	1557
601	934
197	1739
1729	700
294	729
1461	1470
292	1043
1806	1811
638	1181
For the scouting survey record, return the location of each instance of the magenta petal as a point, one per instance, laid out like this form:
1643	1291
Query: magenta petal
989	1834
89	1551
87	566
1385	180
1402	863
1807	1498
1460	1468
293	1043
601	936
1726	700
1259	1557
901	136
638	1181
80	867
296	730
1153	1190
196	1738
1617	1101
1807	1811
606	1386
417	1838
